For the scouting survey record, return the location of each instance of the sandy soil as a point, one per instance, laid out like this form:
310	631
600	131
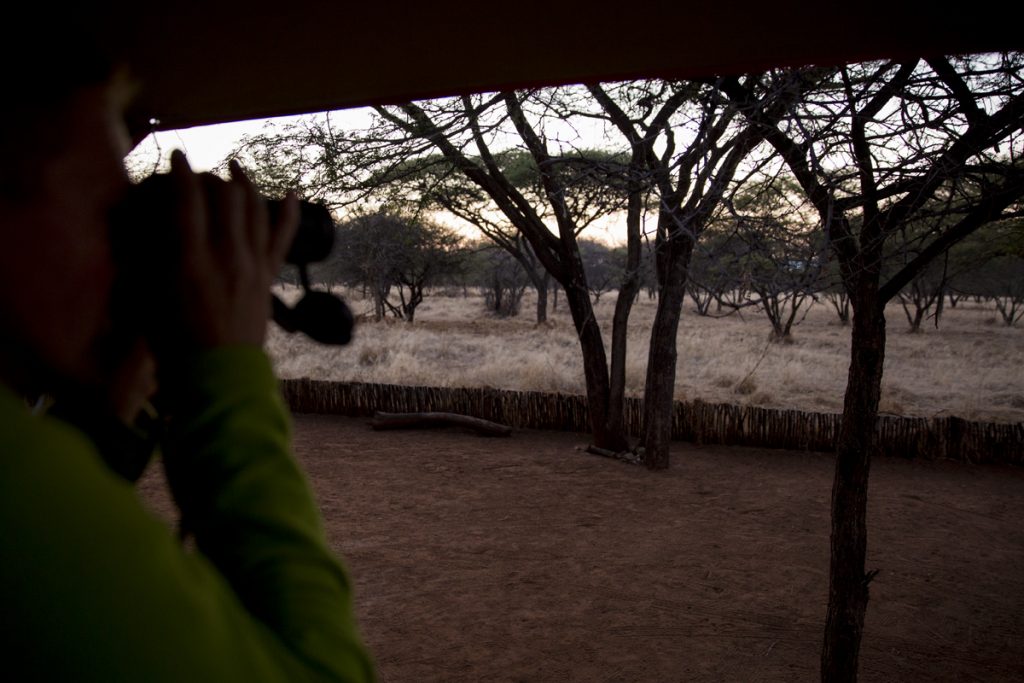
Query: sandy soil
523	559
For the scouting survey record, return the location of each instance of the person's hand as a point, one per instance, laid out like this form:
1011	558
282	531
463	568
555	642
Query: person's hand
229	255
112	411
131	384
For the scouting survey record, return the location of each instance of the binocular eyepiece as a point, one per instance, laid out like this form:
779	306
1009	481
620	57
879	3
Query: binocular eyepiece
142	235
314	238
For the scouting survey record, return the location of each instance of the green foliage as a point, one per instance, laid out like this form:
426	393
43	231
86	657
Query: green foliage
387	252
502	278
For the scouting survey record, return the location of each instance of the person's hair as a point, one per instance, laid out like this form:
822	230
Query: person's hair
43	69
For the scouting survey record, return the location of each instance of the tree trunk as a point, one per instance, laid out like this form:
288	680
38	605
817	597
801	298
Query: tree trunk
629	287
380	297
848	582
496	294
659	389
542	299
841	302
608	427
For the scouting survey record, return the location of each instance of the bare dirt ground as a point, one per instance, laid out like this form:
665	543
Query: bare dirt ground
523	559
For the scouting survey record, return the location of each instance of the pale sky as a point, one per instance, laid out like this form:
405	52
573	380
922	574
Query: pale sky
207	146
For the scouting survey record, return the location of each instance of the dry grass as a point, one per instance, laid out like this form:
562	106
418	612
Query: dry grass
970	367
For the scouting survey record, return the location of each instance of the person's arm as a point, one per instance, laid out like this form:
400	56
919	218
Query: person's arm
250	511
97	589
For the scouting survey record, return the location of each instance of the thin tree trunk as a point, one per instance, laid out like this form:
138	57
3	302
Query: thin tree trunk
848	582
608	427
659	389
628	289
542	299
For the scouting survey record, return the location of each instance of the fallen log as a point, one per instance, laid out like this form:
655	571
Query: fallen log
634	457
383	421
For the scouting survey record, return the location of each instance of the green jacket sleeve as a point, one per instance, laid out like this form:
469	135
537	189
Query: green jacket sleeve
95	588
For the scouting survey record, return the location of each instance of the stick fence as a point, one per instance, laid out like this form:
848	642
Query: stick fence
694	421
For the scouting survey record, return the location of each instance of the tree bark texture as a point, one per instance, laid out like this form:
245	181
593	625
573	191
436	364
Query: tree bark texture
659	389
542	300
628	289
608	427
848	582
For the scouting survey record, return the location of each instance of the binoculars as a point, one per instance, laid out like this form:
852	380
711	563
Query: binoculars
141	232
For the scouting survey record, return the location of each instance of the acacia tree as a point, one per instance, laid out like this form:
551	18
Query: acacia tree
385	252
992	267
781	262
874	152
1006	286
691	180
501	277
983	252
430	182
466	155
836	294
684	145
452	126
783	270
646	115
434	183
603	265
924	296
715	275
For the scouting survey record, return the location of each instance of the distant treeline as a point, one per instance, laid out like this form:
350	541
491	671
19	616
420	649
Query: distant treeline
694	421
